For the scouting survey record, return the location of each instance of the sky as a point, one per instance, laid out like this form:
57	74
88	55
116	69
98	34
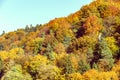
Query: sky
16	14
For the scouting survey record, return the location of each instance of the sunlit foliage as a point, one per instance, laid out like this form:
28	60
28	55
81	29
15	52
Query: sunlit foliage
83	46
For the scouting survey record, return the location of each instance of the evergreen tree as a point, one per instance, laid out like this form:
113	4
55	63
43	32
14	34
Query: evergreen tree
68	67
3	33
83	66
106	60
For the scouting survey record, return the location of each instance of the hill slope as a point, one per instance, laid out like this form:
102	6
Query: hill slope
83	46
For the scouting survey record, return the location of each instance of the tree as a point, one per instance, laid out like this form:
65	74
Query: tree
92	25
48	72
112	44
38	45
34	64
66	64
83	67
27	28
105	58
16	73
59	48
3	33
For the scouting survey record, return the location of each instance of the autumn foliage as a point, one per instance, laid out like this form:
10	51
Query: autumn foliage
83	46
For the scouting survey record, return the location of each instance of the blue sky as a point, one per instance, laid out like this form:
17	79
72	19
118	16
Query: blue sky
16	14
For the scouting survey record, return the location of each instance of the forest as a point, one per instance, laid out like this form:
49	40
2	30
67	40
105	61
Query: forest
84	45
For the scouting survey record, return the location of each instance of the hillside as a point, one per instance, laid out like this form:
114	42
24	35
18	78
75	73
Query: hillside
83	46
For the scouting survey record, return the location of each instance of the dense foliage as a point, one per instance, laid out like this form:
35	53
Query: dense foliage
83	46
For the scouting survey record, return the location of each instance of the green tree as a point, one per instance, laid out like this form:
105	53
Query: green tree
16	73
2	33
66	64
106	60
38	45
83	66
